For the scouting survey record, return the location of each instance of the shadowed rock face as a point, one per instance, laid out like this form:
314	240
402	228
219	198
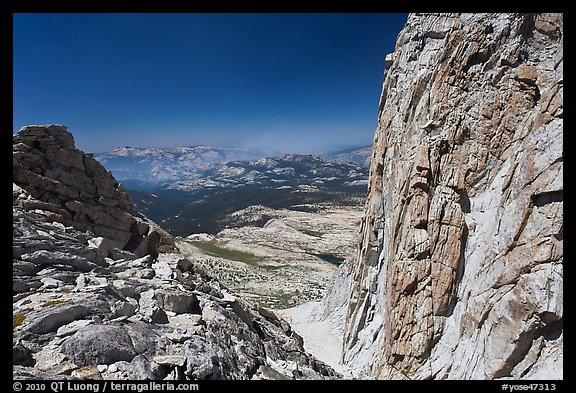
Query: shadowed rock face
99	291
459	266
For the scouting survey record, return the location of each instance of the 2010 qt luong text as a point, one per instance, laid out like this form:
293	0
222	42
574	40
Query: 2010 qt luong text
98	387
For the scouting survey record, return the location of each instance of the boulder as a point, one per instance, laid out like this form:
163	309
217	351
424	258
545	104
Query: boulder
52	318
178	302
22	356
99	344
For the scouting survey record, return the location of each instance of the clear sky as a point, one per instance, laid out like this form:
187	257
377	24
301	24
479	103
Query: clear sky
294	82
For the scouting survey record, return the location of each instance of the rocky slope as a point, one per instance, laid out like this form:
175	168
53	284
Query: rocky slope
75	190
99	291
459	269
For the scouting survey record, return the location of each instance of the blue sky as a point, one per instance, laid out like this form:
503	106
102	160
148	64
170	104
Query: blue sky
294	82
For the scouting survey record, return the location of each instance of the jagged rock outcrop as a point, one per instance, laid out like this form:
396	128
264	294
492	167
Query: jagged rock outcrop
99	291
459	271
74	189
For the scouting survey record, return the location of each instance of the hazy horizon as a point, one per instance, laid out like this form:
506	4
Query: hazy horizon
294	83
270	149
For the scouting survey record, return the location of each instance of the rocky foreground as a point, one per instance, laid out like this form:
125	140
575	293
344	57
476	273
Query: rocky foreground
99	291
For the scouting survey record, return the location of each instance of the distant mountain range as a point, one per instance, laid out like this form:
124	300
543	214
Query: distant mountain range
305	172
157	165
189	164
196	189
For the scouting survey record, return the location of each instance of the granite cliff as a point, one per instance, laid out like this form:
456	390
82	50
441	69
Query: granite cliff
459	268
458	272
101	292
